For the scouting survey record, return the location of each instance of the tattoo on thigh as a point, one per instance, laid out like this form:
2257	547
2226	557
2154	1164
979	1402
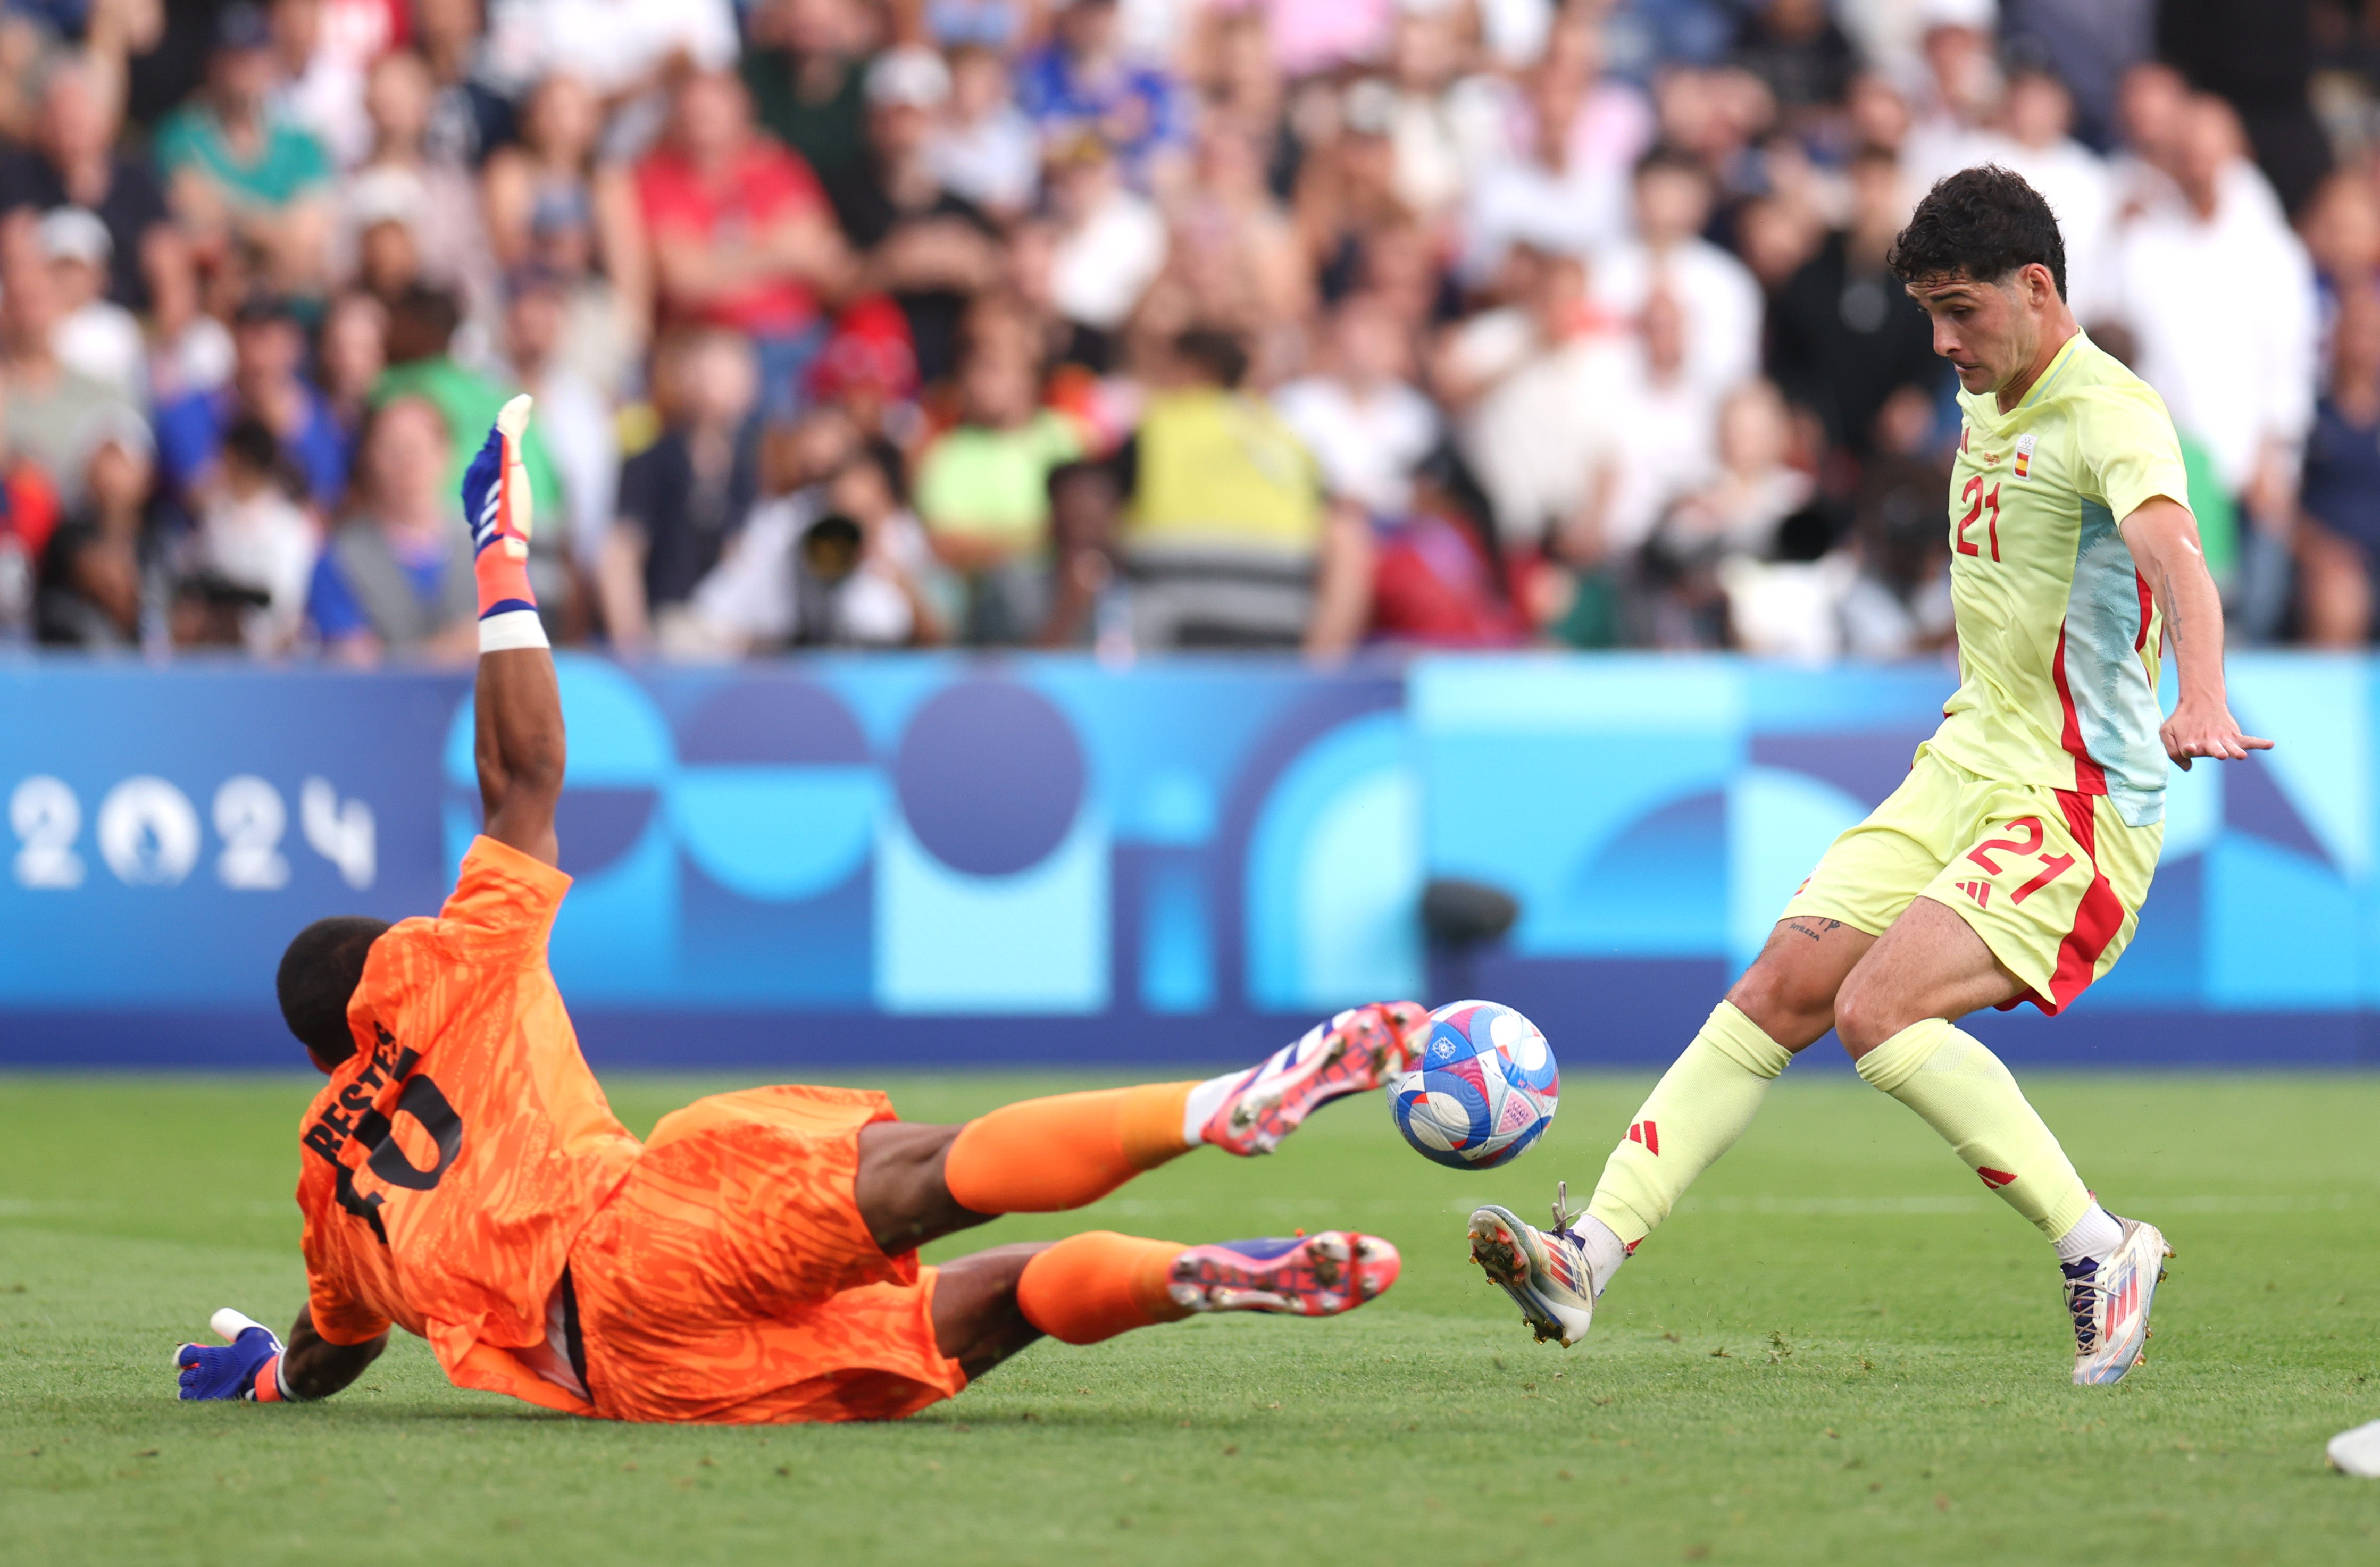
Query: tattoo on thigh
1814	929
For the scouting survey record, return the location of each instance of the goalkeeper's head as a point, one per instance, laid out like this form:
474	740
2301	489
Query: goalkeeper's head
318	974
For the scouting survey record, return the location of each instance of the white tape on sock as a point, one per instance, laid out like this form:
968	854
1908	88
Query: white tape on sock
513	628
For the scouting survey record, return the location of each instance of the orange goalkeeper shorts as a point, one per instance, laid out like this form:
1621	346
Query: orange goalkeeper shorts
730	1278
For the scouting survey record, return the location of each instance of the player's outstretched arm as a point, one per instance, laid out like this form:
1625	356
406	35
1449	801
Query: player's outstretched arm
519	744
2163	537
257	1368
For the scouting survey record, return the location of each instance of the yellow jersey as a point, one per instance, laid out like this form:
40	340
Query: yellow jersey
2058	639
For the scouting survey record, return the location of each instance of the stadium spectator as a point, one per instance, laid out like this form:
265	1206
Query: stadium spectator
1108	246
52	408
1673	201
2341	229
423	362
395	581
1089	606
351	351
610	320
983	489
985	150
1345	196
1540	390
683	497
1438	578
96	337
2338	540
2240	378
1444	122
1844	334
577	435
2258	57
322	70
73	160
237	174
434	199
2090	43
930	248
743	238
1670	421
468	116
624	49
1734	518
100	575
1361	417
1958	98
2036	141
1228	539
1900	603
553	180
840	563
1798	52
805	64
253	534
1081	84
269	347
1542	192
1235	252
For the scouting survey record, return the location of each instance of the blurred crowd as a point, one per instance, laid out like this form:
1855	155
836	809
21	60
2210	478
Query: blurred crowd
1135	324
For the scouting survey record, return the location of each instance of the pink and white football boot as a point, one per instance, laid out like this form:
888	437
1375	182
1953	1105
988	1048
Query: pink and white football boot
2108	1298
1357	1051
1318	1275
1545	1271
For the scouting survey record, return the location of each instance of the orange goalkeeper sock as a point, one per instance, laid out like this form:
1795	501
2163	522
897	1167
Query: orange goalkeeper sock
1043	1156
1095	1285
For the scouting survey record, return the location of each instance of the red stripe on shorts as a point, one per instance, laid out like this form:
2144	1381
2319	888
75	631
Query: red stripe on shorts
2142	641
2096	918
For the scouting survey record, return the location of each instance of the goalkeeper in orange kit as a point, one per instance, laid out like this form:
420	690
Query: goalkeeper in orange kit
463	1177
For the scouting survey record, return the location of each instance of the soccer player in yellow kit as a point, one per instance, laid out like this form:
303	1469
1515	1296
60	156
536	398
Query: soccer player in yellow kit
2012	865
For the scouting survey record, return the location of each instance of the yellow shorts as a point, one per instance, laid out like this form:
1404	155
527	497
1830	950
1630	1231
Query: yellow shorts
2051	880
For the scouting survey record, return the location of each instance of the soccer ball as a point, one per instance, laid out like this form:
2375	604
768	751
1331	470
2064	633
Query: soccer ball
1482	1088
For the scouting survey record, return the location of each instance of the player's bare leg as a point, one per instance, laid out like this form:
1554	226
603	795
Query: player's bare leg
1930	965
976	1321
1791	988
900	1186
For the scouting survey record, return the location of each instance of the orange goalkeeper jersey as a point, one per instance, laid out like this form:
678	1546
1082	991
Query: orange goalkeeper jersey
455	1157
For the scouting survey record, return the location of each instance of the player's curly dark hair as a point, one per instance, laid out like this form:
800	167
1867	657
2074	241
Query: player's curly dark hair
318	974
1983	223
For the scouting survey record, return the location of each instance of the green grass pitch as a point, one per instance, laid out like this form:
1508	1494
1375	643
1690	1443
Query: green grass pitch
1840	1350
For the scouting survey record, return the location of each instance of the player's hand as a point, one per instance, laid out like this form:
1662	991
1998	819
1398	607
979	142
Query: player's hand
252	1358
495	487
2199	729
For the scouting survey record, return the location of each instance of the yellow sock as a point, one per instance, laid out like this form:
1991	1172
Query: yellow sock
1945	1075
1695	1113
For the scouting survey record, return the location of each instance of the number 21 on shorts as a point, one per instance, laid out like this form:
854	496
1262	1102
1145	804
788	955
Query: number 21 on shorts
1978	502
2026	840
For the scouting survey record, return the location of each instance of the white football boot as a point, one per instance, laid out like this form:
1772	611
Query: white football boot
2108	1298
1545	1271
2357	1452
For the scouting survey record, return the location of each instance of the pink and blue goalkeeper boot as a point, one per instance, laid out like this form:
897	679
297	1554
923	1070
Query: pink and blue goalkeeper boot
1318	1275
1359	1049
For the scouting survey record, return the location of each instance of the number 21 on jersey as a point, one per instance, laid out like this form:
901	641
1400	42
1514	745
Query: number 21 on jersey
1978	502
